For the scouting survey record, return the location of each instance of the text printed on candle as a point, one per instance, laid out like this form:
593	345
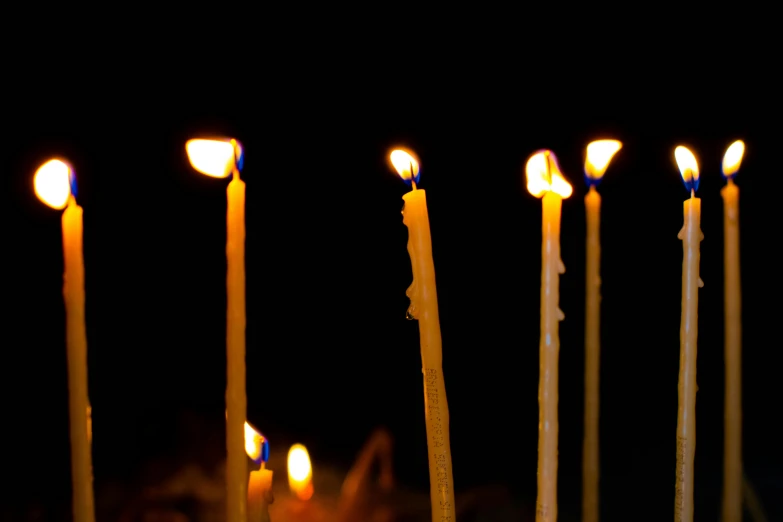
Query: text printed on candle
438	442
682	446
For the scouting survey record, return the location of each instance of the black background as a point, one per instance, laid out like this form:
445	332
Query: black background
329	352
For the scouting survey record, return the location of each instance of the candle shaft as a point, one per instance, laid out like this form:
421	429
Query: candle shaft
236	400
76	341
551	315
686	412
732	462
424	307
257	494
590	465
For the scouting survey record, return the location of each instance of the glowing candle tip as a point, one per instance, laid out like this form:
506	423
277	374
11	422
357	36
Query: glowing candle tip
599	154
543	175
689	168
406	165
732	159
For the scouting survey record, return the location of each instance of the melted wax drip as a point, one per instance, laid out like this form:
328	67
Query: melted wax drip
412	313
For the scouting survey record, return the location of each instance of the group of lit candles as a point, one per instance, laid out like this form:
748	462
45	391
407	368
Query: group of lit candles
248	495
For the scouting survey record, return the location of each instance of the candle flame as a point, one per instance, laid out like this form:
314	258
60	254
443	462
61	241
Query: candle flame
543	175
53	183
217	158
689	167
599	154
406	165
300	472
733	158
256	445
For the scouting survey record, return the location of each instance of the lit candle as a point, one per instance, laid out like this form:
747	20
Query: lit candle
259	489
544	179
424	308
732	438
55	185
222	158
599	154
300	472
691	237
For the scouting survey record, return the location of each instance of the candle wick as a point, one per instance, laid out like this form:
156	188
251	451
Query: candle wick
235	173
413	176
693	193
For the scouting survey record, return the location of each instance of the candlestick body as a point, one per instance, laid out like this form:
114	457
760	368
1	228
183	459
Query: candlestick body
257	492
686	413
551	315
424	307
590	465
236	400
76	340
732	461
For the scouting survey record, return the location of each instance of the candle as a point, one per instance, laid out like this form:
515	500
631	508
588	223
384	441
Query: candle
732	438
424	308
691	237
599	154
544	180
300	472
55	185
222	158
259	489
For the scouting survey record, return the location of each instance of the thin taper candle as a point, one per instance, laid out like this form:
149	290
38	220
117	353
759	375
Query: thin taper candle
424	308
599	154
55	185
590	450
691	237
79	404
221	158
545	179
732	437
236	399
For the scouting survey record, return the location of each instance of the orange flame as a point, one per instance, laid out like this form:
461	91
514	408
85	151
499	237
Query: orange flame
543	175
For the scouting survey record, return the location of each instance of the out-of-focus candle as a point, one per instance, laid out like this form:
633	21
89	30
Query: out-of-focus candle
300	472
691	237
599	154
55	185
732	435
222	158
424	308
259	489
544	180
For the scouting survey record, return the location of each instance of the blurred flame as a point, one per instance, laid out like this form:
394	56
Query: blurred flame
689	167
256	445
300	472
543	175
217	158
52	183
402	161
733	158
599	154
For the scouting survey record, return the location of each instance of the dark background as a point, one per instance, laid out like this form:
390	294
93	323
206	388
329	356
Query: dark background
330	355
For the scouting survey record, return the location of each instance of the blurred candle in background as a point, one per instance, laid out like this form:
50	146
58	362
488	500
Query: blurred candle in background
259	489
55	184
599	154
544	180
732	437
300	472
221	158
691	237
